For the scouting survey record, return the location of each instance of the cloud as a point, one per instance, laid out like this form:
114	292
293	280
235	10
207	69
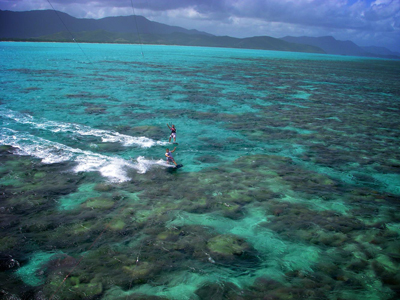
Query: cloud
383	10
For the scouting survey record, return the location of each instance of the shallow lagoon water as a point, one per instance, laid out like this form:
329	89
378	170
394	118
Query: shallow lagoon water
290	187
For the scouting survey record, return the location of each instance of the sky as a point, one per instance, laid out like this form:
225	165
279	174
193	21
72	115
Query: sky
365	22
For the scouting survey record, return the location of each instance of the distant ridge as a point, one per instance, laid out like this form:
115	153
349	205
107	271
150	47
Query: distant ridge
36	23
332	46
380	51
45	25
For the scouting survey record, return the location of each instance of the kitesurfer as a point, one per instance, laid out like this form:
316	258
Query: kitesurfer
168	155
173	133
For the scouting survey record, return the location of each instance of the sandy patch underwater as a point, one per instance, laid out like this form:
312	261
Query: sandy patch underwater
290	185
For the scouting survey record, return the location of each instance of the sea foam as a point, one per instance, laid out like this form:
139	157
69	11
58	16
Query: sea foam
113	168
78	129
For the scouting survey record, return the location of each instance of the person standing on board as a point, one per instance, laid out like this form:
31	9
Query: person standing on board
173	133
168	155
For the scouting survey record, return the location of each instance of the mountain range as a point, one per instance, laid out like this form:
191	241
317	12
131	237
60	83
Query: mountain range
55	26
332	46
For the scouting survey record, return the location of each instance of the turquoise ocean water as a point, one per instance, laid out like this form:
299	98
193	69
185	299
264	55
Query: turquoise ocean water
290	187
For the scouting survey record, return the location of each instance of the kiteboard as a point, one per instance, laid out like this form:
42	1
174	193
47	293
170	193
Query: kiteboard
178	166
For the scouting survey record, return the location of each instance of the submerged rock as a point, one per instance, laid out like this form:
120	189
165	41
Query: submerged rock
153	132
140	271
95	110
74	287
219	291
227	245
99	203
8	263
